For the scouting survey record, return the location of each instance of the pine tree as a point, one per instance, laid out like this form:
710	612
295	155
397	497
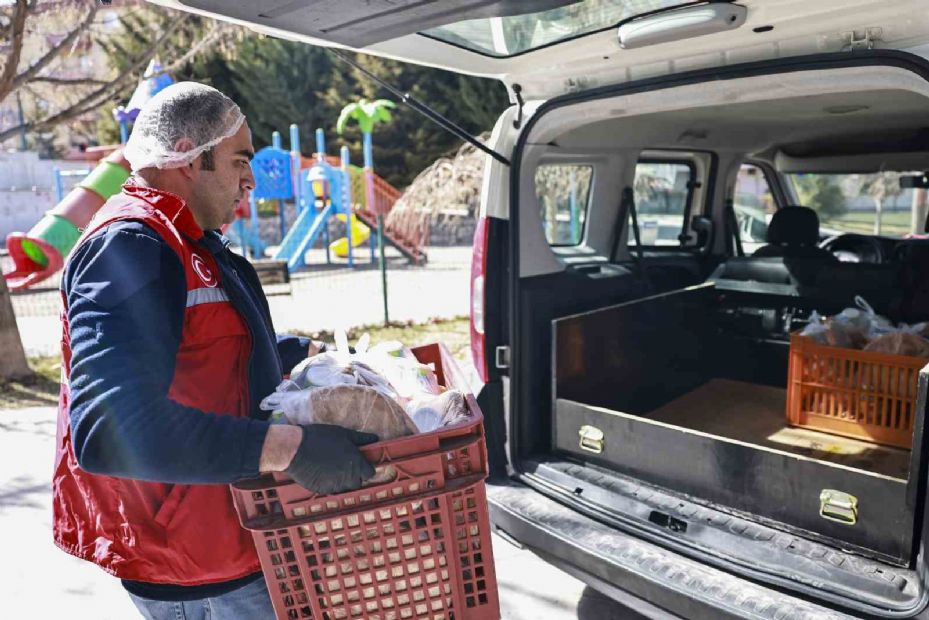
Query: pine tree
411	142
282	82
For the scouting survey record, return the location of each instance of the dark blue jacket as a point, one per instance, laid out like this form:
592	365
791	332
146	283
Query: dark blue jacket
126	278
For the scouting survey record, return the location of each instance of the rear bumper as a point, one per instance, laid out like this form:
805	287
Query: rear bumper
606	559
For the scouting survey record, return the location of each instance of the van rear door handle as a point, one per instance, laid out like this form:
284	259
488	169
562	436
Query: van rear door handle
838	506
591	439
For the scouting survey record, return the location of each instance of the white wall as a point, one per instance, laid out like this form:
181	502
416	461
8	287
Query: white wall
27	188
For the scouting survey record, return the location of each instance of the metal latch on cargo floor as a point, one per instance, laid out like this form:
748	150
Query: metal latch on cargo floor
591	439
502	357
838	506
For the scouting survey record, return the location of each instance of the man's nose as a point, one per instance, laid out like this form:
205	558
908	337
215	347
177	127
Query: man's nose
248	180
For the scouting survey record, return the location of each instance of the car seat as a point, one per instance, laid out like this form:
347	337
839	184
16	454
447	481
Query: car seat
793	233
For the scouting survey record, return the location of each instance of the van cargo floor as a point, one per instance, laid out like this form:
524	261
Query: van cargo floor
756	414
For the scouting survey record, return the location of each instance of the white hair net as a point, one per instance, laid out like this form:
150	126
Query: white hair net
179	123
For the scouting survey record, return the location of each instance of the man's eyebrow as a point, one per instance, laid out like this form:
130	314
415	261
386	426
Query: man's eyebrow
249	153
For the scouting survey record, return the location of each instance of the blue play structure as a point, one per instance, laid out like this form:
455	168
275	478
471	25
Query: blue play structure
325	192
274	170
153	81
319	192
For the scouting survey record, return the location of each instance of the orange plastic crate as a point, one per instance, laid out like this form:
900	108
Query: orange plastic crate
414	547
854	393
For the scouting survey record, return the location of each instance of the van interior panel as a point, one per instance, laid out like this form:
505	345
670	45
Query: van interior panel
657	378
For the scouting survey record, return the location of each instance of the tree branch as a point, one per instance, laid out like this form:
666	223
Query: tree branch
68	81
215	34
18	27
7	28
99	96
56	50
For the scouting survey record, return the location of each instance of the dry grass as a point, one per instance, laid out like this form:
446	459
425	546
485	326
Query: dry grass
454	333
40	389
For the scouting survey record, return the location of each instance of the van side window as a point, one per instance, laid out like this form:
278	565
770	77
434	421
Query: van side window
563	191
754	205
662	194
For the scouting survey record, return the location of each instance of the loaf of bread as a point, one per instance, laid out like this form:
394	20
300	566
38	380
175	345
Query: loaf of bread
358	407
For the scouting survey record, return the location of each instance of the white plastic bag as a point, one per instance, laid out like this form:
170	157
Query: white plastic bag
432	412
389	368
852	328
328	369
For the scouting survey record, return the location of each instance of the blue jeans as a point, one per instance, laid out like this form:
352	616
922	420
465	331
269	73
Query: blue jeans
250	602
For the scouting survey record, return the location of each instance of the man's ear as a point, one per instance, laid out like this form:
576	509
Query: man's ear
191	170
182	146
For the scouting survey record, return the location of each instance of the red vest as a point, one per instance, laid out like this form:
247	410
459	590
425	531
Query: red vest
163	533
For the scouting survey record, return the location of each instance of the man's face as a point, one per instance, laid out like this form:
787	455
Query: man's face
221	178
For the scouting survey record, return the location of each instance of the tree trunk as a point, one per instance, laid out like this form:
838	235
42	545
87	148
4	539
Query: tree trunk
918	211
878	207
12	357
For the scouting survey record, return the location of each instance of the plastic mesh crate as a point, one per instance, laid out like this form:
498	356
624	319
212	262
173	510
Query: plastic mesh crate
414	547
855	393
427	557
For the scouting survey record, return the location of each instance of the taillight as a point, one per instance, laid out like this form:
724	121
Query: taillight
478	269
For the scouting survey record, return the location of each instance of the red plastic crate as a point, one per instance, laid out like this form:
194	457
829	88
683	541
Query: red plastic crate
413	548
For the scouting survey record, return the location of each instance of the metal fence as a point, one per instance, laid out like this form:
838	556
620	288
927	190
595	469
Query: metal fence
321	297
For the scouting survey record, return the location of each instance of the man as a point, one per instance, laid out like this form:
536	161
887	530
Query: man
167	350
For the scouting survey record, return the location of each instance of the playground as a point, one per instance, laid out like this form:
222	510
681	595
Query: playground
313	199
317	227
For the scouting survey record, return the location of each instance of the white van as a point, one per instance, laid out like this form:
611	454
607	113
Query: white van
633	346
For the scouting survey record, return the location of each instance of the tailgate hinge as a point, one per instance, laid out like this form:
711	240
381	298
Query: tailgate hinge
861	39
502	357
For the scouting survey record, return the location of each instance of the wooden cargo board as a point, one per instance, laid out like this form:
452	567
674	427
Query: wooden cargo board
755	414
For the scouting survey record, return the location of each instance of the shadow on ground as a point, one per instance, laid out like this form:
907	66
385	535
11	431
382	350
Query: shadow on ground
595	606
34	391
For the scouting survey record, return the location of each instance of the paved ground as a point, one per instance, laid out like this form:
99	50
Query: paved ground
43	582
39	581
319	297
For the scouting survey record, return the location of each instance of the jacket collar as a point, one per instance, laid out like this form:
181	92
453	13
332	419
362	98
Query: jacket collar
170	205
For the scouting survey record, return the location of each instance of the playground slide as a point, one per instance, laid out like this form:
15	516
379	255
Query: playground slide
359	234
302	235
411	250
40	253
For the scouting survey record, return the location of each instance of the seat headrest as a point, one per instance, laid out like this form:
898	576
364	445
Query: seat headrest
794	226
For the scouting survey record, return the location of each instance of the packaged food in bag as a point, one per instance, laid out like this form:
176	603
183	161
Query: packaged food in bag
431	412
359	407
853	328
900	343
328	369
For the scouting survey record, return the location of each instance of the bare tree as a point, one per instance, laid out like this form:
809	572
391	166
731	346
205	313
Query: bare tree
918	211
18	19
92	93
881	186
13	359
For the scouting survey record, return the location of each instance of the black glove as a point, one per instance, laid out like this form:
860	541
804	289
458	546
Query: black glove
328	460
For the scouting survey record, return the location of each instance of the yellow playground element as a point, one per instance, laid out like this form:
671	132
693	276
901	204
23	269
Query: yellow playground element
359	234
